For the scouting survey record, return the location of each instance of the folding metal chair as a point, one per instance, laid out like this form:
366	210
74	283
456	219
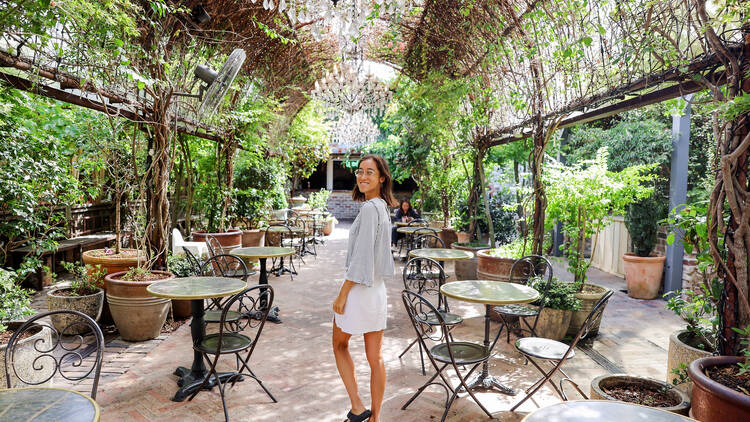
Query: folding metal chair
75	352
556	353
522	271
222	265
446	352
425	276
236	338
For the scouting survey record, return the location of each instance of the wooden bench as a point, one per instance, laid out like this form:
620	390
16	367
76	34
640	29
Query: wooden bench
66	250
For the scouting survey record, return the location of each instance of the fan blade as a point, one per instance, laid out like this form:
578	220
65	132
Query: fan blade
218	89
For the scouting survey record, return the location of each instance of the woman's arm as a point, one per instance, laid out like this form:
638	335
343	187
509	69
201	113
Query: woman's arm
340	303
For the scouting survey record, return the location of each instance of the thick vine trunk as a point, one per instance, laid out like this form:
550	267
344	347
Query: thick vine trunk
157	185
475	191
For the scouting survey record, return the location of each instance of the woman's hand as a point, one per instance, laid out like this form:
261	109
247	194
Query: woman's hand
339	304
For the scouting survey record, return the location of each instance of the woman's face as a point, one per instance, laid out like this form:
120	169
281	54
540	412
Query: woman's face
405	206
369	178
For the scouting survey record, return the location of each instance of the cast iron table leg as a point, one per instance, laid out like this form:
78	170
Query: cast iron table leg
273	314
191	379
485	381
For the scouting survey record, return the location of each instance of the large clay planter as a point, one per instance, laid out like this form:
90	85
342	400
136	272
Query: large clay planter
328	226
681	352
90	305
25	356
466	269
497	268
588	301
448	236
552	323
600	383
463	237
254	237
712	401
643	275
112	264
138	315
229	239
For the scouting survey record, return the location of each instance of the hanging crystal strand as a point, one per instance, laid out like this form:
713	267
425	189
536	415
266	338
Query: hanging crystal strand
282	5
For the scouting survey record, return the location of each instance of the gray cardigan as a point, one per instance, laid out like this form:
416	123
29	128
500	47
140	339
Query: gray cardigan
368	253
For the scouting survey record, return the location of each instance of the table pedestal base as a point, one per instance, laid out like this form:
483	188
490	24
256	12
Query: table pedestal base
189	382
273	315
488	382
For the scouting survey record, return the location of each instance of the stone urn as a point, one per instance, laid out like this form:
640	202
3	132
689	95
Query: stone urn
682	350
91	305
643	275
298	201
26	354
466	269
229	239
600	384
589	298
138	315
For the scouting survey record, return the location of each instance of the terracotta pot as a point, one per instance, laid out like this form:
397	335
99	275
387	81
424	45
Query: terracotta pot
466	269
497	268
26	354
90	305
112	264
254	237
448	236
229	239
681	352
328	226
137	315
588	301
713	401
643	275
553	323
181	309
463	237
600	383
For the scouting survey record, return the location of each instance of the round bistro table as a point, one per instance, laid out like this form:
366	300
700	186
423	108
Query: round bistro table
601	411
196	289
46	404
489	293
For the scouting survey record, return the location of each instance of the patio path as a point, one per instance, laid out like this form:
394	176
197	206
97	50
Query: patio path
296	363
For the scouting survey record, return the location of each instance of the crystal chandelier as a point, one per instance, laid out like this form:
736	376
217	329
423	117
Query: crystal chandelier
351	91
354	130
344	17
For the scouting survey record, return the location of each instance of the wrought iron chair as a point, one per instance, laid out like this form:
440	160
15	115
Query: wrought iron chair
298	239
523	270
239	339
556	353
425	276
195	263
446	352
68	352
214	246
412	238
428	241
283	238
222	265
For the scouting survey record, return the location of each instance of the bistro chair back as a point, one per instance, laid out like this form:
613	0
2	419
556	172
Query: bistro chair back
429	324
429	241
556	353
281	235
74	352
222	265
214	246
527	269
195	263
239	339
417	222
424	276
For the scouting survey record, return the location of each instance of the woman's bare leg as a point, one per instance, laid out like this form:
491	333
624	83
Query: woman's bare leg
373	345
345	365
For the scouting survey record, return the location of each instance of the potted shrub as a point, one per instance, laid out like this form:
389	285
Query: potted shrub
559	304
180	267
251	212
721	390
15	304
640	390
137	315
643	268
580	197
84	294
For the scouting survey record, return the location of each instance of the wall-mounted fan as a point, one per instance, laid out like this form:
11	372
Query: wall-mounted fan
218	83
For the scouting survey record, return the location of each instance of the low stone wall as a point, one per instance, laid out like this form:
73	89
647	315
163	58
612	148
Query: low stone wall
342	206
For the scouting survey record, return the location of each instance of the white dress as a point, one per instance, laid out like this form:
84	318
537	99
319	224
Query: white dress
369	265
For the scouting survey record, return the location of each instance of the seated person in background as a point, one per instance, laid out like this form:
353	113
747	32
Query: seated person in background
405	214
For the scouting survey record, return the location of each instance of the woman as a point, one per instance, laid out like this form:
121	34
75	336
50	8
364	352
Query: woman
404	214
361	305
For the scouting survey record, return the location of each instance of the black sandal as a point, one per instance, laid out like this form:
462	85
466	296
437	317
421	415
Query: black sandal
351	417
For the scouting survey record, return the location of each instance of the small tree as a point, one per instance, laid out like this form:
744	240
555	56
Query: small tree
581	197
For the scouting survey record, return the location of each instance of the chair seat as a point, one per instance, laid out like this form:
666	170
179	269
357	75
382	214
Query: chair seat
543	348
214	316
449	318
464	352
517	310
230	343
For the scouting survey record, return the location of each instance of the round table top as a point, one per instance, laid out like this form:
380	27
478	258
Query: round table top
601	411
441	254
489	292
412	229
404	224
42	404
255	252
284	229
192	288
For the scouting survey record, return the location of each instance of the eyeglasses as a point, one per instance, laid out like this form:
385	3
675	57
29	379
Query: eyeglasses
361	172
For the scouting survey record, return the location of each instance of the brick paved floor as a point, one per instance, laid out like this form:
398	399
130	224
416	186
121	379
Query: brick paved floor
296	363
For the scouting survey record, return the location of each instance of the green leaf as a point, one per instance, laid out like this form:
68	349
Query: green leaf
587	41
670	238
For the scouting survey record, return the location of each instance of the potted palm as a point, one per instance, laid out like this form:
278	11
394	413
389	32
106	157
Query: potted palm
137	315
643	267
84	294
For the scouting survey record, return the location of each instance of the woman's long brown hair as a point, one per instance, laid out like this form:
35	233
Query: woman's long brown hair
386	188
